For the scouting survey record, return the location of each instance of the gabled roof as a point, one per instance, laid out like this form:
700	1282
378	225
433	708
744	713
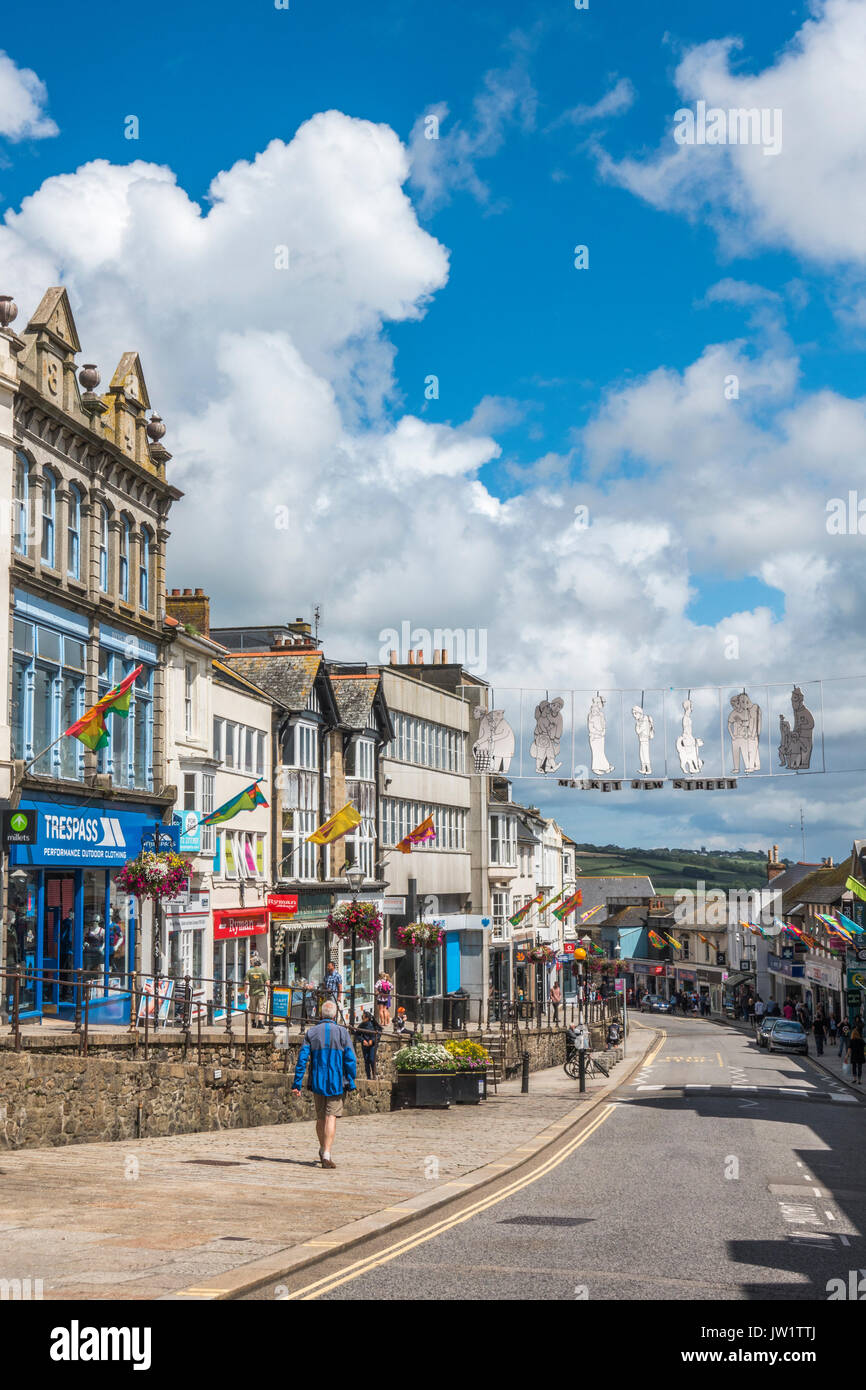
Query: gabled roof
355	695
821	887
288	677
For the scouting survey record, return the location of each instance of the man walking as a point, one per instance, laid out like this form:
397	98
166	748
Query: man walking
256	981
329	1051
332	987
818	1030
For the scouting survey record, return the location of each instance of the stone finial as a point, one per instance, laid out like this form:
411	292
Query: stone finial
8	310
89	376
155	429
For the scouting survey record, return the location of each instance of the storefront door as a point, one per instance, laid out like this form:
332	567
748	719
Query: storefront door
58	952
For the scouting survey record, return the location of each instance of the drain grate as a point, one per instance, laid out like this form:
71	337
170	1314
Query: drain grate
546	1221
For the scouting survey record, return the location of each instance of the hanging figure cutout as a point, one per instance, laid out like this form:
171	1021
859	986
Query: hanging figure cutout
795	749
494	747
596	726
643	727
744	726
687	745
548	733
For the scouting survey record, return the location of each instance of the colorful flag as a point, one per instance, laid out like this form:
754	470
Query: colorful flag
336	827
91	729
852	926
590	912
551	901
673	941
856	888
247	800
523	911
657	941
425	831
571	902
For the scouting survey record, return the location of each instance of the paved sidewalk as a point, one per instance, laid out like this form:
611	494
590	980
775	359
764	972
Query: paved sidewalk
146	1219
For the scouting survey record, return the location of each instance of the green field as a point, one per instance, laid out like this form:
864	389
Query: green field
675	868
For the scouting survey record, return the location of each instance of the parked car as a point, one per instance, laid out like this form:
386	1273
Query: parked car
788	1036
654	1004
764	1029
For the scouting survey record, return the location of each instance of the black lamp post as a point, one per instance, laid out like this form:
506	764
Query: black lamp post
354	877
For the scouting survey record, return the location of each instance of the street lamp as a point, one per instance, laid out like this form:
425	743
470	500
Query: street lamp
586	942
354	877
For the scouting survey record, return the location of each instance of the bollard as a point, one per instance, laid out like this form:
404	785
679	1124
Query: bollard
581	1068
524	1079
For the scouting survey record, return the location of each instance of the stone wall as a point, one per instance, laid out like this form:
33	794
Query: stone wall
51	1100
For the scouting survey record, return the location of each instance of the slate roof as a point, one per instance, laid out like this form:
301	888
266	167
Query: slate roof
288	677
355	696
612	887
820	888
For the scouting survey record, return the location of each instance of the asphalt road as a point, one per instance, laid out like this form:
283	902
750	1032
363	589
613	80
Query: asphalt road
718	1172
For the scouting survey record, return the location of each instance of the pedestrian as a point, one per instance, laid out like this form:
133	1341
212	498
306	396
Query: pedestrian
674	1002
332	987
818	1029
760	1009
383	995
788	1009
328	1050
256	981
854	1054
556	1000
832	1028
844	1035
369	1031
750	1007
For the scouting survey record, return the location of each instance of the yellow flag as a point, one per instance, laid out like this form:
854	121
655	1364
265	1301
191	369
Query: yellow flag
339	825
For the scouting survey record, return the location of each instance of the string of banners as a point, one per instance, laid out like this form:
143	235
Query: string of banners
695	739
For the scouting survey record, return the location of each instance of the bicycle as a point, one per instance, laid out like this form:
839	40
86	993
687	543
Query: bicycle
594	1065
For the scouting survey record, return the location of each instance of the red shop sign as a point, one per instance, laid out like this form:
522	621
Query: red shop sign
568	948
233	922
282	902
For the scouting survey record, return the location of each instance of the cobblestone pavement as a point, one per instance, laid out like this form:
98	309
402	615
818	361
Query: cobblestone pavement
136	1220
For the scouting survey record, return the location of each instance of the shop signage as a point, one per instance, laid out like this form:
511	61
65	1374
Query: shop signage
20	827
169	838
853	996
314	904
189	824
721	958
784	967
569	948
687	975
856	979
190	921
393	907
231	923
69	835
344	899
824	975
284	903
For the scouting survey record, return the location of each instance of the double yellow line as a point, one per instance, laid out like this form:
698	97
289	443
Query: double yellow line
401	1247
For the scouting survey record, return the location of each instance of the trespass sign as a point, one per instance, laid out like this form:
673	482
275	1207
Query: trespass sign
66	835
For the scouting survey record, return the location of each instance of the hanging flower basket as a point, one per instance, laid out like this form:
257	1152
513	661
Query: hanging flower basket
154	876
362	918
540	955
421	936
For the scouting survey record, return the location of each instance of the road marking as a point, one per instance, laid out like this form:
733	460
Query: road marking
721	1063
363	1266
829	1215
844	1100
697	1086
740	1087
650	1088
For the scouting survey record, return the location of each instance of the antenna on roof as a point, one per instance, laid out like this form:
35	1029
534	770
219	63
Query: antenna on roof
317	618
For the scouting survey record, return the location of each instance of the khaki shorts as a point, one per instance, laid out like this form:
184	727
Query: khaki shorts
328	1105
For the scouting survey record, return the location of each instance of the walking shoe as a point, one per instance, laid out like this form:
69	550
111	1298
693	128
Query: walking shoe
328	1163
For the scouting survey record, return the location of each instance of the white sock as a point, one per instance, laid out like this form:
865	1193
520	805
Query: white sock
326	1153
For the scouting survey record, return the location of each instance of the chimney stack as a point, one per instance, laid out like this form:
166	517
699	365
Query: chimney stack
190	608
774	867
393	656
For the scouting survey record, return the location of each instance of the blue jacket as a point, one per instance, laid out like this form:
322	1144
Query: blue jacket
328	1048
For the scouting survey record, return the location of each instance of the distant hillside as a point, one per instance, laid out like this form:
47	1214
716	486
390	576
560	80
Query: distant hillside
677	868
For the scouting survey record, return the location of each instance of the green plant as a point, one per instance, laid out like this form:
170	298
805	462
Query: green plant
469	1056
424	1057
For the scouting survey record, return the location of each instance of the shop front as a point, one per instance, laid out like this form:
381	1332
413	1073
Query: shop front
709	983
67	922
787	979
237	933
824	981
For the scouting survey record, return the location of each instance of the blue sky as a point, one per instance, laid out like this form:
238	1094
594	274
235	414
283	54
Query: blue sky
556	366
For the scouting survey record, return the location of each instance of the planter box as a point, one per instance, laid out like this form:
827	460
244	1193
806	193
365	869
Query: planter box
470	1087
424	1090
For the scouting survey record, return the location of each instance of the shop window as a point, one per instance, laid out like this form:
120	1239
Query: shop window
47	696
129	757
249	858
230	853
260	855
